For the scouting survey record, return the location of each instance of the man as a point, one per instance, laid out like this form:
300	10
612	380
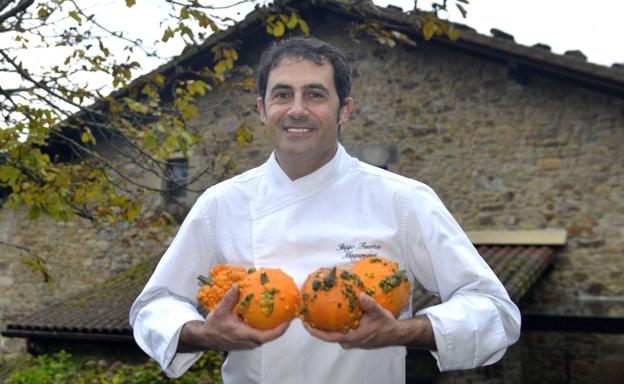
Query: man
301	210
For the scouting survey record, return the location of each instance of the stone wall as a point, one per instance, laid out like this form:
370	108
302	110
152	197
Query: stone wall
75	255
501	155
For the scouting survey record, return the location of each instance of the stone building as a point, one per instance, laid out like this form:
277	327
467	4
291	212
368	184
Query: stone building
512	138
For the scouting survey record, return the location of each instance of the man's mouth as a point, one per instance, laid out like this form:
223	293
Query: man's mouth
298	129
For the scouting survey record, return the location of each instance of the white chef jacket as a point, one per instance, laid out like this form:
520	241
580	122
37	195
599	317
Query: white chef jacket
341	212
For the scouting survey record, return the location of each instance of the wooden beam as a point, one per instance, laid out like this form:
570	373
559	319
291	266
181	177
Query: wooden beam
551	236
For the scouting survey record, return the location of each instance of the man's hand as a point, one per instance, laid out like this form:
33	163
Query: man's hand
224	331
378	328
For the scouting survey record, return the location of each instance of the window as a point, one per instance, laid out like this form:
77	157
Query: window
176	178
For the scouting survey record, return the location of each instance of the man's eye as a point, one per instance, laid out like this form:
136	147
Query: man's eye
316	95
281	95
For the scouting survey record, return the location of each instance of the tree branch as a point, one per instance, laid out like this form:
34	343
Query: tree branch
20	247
20	7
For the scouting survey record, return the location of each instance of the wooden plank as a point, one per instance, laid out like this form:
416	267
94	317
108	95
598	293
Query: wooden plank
551	236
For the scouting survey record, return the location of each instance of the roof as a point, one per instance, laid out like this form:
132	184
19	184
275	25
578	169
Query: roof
101	313
517	266
520	59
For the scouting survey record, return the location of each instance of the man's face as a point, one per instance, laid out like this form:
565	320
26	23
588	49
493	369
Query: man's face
302	111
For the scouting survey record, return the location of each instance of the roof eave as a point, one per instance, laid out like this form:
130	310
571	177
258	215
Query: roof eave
68	335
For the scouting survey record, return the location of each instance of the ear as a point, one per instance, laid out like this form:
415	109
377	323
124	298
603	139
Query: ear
261	109
346	110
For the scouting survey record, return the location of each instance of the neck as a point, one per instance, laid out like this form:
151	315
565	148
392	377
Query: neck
296	167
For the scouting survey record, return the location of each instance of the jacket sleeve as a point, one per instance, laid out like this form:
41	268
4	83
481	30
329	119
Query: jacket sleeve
168	300
476	321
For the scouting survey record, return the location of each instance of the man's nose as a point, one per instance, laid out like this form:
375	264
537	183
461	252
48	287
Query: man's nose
298	108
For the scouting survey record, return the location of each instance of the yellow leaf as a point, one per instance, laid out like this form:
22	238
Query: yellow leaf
201	87
118	200
279	29
230	54
171	142
159	80
453	34
283	18
220	67
136	106
244	136
293	21
189	112
304	27
87	136
249	82
428	29
130	3
133	211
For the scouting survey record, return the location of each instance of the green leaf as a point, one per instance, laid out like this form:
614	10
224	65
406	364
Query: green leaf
167	35
149	141
74	15
8	174
43	13
184	13
130	3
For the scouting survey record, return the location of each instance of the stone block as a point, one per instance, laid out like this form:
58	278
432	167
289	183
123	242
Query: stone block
549	164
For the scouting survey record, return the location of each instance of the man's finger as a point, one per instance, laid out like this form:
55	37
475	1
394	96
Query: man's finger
229	300
368	304
332	337
269	334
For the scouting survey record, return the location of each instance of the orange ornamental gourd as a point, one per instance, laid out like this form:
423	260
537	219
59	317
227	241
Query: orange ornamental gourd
384	282
222	276
330	300
267	298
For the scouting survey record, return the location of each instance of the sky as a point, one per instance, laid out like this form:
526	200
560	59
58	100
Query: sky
595	27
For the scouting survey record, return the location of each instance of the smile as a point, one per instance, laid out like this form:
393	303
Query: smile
298	130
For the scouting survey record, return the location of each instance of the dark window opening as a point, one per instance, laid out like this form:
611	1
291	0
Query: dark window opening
176	178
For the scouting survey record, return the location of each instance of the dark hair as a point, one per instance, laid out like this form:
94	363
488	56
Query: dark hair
308	48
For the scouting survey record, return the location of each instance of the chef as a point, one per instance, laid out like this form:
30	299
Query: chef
312	205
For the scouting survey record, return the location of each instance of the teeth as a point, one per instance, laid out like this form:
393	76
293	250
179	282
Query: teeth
298	130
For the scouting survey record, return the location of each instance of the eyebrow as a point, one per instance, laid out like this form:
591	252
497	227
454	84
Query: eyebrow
318	86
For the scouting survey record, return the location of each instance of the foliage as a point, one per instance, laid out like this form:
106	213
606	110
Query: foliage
63	368
57	124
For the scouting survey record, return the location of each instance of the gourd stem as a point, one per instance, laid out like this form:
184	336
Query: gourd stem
205	280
